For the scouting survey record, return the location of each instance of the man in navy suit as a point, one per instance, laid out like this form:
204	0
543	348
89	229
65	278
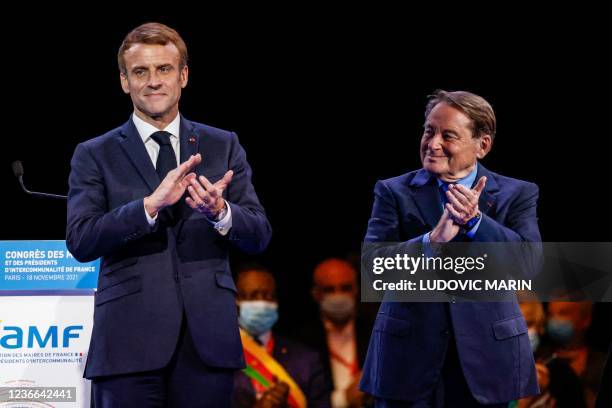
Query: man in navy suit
161	200
463	354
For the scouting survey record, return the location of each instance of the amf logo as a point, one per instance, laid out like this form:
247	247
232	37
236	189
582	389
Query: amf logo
16	337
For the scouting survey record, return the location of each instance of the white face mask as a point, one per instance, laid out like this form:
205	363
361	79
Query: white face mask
338	307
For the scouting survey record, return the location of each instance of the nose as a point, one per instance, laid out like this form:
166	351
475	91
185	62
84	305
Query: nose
154	81
435	142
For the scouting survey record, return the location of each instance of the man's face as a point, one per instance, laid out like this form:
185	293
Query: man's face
447	147
575	312
332	278
256	285
153	79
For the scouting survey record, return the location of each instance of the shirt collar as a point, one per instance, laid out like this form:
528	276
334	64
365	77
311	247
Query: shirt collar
265	338
145	130
467	181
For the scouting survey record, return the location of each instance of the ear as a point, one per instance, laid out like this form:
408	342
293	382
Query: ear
485	143
316	294
184	76
125	85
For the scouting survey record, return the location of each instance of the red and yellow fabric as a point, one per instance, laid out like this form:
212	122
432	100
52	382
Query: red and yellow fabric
263	369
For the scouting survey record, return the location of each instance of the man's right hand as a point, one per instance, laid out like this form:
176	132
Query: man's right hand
274	397
445	230
172	187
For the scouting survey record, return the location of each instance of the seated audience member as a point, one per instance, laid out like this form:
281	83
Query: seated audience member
559	385
280	372
341	334
566	328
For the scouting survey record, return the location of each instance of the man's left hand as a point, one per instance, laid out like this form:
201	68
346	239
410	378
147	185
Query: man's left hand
464	202
207	198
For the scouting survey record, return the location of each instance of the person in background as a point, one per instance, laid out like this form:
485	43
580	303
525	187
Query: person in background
341	334
559	385
566	327
293	372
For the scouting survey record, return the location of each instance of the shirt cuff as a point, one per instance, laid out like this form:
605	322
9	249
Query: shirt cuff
428	251
150	220
225	223
426	239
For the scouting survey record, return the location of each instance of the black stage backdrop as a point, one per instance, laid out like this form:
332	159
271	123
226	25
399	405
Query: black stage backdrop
325	104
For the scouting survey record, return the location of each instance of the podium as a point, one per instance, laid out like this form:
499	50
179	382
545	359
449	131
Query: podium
46	318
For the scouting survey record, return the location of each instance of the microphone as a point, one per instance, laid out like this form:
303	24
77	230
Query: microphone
18	171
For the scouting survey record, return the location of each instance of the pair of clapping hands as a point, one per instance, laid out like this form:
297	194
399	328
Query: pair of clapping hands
462	206
204	196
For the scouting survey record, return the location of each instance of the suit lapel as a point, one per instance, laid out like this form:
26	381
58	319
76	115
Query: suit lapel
189	145
189	140
280	351
132	144
487	199
427	197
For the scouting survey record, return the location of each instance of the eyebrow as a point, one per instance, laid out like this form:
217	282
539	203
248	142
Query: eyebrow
146	68
428	126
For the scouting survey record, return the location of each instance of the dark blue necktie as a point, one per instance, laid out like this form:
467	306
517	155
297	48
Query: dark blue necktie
166	160
443	189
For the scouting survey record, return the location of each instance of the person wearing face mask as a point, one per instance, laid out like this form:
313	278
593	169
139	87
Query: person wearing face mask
566	327
559	385
341	334
280	372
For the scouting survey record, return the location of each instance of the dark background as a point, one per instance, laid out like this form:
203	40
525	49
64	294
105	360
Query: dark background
325	104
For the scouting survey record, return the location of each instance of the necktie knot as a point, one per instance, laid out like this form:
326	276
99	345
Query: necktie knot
162	138
443	189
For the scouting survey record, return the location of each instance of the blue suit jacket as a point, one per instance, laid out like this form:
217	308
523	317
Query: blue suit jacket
407	346
302	363
138	305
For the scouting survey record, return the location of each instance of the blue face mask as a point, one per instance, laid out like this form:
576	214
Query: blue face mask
534	339
560	331
257	316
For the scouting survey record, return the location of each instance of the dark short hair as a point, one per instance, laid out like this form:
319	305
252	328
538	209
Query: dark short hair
250	266
473	106
152	33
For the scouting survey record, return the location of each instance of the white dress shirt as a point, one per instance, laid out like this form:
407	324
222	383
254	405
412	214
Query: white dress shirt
145	130
343	343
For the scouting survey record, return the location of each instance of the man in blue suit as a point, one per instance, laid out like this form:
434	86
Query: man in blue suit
463	354
161	200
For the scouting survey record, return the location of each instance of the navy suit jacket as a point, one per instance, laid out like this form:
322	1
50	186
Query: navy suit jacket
302	363
408	343
148	276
